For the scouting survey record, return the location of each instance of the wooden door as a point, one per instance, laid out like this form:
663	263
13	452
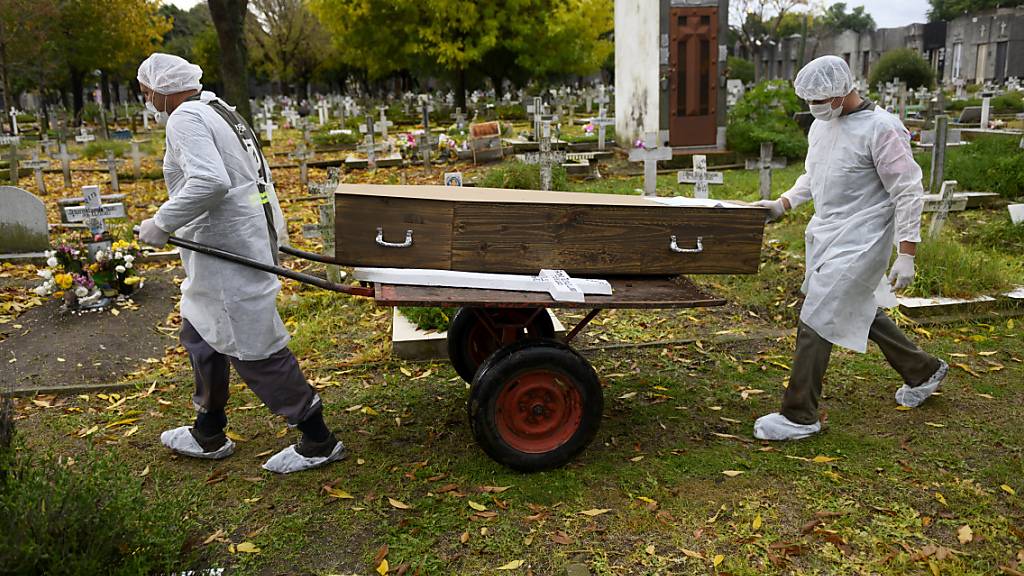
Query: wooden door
693	91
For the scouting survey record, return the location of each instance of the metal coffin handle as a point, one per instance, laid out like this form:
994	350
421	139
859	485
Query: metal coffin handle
381	242
675	246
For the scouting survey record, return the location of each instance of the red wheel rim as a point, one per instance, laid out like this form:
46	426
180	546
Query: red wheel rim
537	412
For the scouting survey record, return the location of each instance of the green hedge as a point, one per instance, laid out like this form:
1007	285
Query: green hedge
1009	103
987	164
765	114
91	517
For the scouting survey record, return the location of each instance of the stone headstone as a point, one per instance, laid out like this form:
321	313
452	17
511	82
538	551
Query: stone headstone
23	226
970	115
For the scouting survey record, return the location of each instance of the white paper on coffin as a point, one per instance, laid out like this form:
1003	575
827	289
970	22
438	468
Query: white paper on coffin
557	283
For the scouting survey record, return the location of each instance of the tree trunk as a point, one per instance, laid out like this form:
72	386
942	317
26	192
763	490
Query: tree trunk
105	89
229	20
460	89
77	87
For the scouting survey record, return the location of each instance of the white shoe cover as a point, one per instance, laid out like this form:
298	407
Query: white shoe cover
775	426
288	460
180	440
913	397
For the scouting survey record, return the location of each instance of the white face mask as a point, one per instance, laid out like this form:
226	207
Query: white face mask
825	111
160	117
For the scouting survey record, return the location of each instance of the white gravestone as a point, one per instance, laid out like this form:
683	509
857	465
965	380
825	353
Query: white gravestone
545	157
37	166
65	158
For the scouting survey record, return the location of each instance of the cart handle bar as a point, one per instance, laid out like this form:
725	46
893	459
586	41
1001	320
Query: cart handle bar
278	270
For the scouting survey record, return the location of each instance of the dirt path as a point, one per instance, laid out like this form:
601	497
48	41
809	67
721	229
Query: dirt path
48	350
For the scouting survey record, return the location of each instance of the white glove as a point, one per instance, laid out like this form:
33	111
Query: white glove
902	273
150	233
776	209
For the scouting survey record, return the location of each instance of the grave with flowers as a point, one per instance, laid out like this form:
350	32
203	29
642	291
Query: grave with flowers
90	275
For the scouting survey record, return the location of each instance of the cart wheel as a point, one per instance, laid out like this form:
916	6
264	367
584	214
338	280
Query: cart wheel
471	341
535	405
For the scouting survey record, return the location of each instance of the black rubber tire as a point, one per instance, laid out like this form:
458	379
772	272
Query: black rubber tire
465	327
502	369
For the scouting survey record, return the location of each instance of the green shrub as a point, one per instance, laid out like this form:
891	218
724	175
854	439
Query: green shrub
948	268
987	164
740	69
87	518
429	319
1009	103
520	176
510	112
765	114
905	64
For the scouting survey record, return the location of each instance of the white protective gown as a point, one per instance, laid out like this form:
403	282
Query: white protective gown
867	195
214	200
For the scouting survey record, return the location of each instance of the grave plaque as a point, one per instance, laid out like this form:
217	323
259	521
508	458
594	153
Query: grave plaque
23	226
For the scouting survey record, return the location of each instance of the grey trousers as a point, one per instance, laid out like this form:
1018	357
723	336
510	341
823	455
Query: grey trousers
800	400
277	381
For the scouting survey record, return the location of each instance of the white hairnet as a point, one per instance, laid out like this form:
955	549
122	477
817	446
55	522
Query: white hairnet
169	74
823	78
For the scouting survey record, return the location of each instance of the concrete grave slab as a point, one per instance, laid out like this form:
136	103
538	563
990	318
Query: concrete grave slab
410	343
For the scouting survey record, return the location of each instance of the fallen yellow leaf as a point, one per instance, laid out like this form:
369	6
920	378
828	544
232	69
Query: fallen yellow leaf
967	369
513	565
941	498
934	424
823	459
904	408
406	371
234	436
339	494
693	554
383	567
732	473
595	511
650	549
1008	490
145	472
247	547
717	560
965	534
756	524
477	506
398	504
464	538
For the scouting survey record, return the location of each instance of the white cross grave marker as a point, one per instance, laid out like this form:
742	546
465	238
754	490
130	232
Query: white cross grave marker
322	111
765	164
699	177
14	120
112	164
986	107
384	123
84	136
137	158
38	166
649	155
939	219
545	156
93	213
371	148
65	163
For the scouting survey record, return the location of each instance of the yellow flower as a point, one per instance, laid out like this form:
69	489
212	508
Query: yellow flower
63	280
132	280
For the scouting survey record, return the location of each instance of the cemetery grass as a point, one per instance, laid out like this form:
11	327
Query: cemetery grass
877	488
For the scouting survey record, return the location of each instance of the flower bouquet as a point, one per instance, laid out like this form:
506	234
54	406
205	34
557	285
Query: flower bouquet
86	284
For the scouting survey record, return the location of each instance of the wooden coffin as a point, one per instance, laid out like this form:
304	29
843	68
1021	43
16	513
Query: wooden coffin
524	231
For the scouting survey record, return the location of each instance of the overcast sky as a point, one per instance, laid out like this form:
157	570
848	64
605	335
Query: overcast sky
887	13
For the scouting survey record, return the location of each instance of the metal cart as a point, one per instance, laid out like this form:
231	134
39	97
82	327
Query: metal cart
535	403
